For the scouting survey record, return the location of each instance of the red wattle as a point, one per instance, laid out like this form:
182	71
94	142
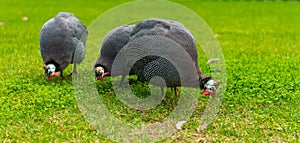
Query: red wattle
55	74
206	92
105	74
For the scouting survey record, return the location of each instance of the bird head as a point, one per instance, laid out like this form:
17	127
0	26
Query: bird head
210	88
100	73
50	71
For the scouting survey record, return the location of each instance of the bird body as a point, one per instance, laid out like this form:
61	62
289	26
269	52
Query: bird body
62	41
174	31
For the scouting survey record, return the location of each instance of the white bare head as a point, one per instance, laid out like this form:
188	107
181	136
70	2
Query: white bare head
50	71
100	73
211	87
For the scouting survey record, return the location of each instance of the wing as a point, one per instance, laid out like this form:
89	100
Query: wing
79	51
113	42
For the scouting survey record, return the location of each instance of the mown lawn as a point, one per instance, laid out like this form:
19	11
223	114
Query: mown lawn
260	42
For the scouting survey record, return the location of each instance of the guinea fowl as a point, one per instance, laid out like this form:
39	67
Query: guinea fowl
158	66
62	42
125	40
112	44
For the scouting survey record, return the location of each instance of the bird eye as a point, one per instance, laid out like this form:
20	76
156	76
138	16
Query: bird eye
212	88
101	72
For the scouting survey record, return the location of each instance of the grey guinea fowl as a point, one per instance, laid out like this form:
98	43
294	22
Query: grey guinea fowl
148	68
62	42
113	42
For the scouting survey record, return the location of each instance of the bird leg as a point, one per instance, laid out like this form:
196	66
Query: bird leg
163	93
122	80
61	75
176	91
74	69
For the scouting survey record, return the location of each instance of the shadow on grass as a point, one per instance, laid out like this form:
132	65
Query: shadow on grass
136	116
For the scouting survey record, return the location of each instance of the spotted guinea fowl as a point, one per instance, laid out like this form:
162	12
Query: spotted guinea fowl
62	42
157	66
160	61
113	42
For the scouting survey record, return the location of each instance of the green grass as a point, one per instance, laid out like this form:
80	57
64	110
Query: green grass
260	42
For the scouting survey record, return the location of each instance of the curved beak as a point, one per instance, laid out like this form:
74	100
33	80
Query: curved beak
101	76
51	76
209	93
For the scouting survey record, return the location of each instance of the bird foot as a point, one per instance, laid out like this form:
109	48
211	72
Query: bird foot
176	91
163	98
